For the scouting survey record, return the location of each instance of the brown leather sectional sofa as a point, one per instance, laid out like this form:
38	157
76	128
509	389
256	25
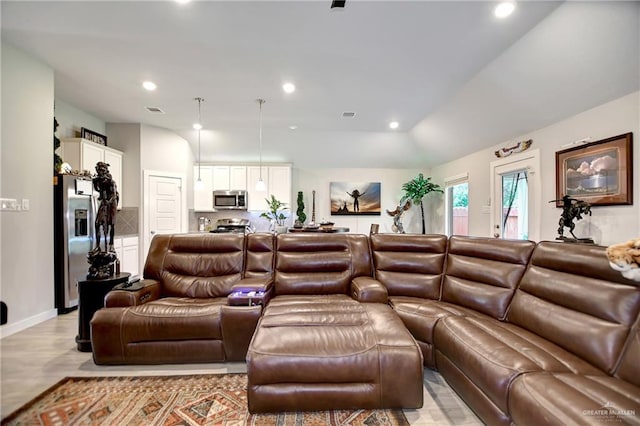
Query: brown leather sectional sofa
526	333
182	313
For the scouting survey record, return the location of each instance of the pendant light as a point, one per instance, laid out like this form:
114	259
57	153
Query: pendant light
199	185
260	185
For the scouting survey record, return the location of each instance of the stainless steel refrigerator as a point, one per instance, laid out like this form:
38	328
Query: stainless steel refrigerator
74	236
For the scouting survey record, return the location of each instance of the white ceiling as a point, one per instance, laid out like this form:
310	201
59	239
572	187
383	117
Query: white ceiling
456	78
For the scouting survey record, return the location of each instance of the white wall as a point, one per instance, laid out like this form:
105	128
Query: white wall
309	149
607	225
164	151
71	120
126	138
27	270
308	179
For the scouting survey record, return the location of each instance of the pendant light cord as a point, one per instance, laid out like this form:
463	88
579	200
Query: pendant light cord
200	100
260	102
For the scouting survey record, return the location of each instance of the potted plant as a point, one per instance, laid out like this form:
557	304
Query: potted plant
300	212
276	213
416	189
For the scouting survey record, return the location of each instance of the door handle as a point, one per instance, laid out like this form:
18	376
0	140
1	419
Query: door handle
153	232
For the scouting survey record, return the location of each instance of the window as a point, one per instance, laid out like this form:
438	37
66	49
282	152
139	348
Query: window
457	205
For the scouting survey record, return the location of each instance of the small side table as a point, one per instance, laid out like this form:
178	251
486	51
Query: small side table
91	295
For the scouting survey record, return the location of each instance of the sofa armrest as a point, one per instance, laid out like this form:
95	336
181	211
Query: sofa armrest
368	290
123	298
238	323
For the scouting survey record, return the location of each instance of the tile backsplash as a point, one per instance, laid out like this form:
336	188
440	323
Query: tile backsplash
127	221
260	224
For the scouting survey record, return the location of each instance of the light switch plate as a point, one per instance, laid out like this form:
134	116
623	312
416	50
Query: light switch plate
9	204
25	204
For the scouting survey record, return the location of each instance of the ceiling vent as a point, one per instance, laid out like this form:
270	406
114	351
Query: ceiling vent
154	110
348	114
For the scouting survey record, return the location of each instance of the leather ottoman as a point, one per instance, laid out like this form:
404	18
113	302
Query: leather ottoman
325	352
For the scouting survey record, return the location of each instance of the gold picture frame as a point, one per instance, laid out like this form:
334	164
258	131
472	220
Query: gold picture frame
600	173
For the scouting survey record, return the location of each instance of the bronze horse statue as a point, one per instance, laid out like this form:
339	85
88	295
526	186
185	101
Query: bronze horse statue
571	209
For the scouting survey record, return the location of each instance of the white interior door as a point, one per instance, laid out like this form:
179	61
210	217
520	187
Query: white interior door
164	201
515	183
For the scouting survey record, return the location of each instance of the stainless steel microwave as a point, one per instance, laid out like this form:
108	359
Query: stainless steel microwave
230	200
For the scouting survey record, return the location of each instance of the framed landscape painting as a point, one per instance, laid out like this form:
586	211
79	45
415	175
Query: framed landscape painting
349	198
600	173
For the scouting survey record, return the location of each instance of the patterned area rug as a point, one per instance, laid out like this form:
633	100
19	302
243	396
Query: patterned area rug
172	400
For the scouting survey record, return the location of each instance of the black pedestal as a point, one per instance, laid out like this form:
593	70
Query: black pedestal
91	295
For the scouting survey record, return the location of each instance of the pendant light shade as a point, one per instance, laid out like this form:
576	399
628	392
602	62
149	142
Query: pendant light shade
260	185
199	185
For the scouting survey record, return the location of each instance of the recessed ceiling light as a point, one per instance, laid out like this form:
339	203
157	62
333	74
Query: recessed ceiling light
504	9
289	87
394	125
197	126
182	1
293	127
149	85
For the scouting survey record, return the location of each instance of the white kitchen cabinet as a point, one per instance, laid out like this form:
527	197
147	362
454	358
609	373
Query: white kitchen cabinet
238	178
277	180
203	197
227	178
256	198
82	154
114	160
221	178
130	260
117	245
280	183
128	253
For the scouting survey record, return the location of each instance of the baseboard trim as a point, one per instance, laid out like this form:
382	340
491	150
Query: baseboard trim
13	328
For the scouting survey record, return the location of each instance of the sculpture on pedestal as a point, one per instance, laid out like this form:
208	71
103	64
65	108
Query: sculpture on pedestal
397	215
572	209
103	262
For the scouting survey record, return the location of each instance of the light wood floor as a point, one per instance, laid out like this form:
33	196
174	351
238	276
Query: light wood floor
37	358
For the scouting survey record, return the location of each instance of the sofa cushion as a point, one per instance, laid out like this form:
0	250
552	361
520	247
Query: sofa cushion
320	263
409	265
493	353
260	255
196	265
332	352
420	316
629	365
574	299
173	318
482	273
565	398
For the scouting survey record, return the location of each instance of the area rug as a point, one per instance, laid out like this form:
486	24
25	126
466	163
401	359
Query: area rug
172	400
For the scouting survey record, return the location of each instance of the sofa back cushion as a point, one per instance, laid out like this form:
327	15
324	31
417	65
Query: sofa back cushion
574	299
260	255
629	366
196	265
483	273
320	263
409	264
